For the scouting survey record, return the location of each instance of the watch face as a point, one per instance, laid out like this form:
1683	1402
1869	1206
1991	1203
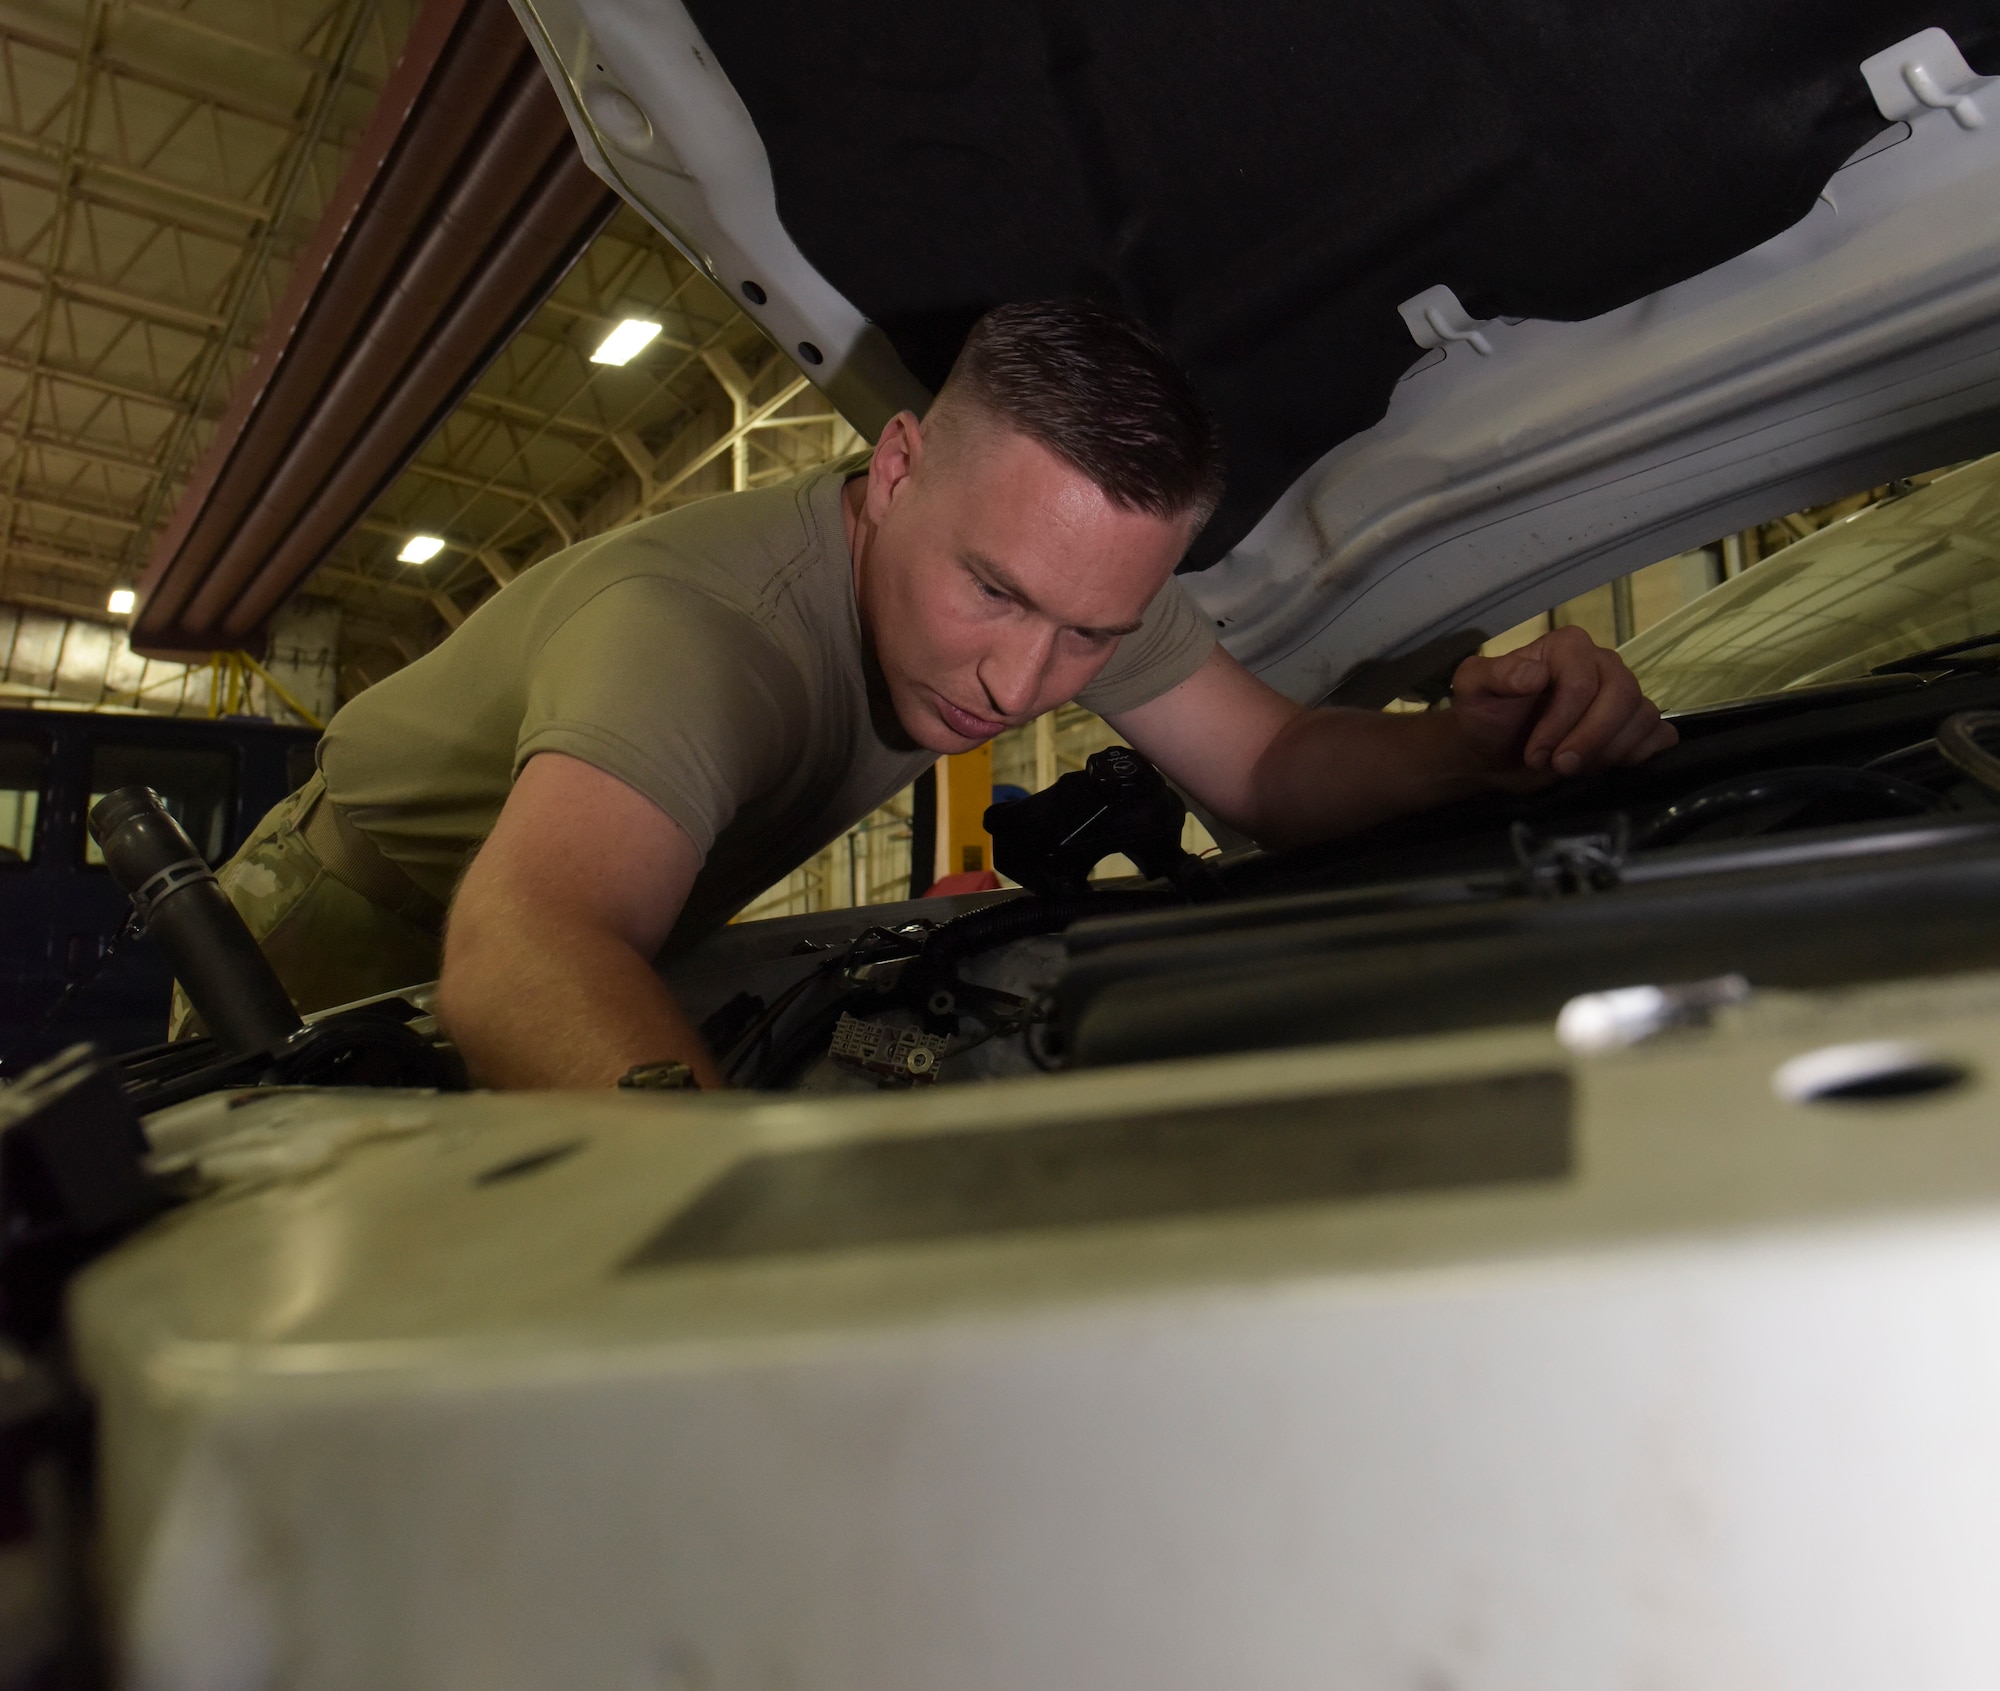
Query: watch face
659	1077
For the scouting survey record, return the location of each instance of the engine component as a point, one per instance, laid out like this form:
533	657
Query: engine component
375	1044
1573	863
916	967
1789	794
1049	842
905	1055
73	1182
1023	918
1629	1015
1958	739
1508	962
728	1022
1118	802
257	1037
175	899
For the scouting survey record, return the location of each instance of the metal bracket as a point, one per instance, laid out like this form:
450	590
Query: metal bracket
1436	319
902	1056
1926	72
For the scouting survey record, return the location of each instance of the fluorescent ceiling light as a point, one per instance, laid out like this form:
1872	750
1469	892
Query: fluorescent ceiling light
420	549
625	342
121	601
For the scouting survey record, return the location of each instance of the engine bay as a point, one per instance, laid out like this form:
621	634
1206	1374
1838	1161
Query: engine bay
1817	838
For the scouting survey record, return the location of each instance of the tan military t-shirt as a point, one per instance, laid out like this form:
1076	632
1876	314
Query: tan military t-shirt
711	658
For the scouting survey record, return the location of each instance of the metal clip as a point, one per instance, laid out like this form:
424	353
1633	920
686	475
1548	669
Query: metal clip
168	880
1572	863
882	973
1436	319
1926	72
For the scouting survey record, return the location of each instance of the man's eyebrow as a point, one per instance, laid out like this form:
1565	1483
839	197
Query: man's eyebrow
980	564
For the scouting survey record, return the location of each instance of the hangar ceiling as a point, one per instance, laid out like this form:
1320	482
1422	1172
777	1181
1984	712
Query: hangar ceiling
162	166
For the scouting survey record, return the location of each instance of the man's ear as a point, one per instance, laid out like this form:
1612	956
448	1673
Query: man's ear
898	452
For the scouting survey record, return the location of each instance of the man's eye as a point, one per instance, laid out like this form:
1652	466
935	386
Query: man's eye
991	592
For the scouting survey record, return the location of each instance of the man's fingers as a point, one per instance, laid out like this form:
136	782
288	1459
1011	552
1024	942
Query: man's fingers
1580	706
1512	675
1615	702
1663	738
1576	682
1657	738
1626	745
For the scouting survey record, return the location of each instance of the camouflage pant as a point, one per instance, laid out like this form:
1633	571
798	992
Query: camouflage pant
328	944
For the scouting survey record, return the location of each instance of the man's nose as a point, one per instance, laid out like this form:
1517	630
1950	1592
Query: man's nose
1014	671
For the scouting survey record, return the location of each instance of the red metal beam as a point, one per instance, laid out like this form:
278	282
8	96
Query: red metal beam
463	206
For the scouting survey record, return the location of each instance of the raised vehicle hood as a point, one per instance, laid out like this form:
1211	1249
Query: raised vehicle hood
1492	307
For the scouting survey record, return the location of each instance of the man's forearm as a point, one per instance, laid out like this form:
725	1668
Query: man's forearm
1331	772
539	1003
1557	707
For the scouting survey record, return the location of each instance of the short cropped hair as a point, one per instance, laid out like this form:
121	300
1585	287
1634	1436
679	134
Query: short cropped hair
1099	391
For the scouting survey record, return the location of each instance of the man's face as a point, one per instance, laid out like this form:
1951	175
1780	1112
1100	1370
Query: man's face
994	579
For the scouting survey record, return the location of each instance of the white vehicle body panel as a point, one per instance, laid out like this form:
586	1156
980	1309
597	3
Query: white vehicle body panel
655	116
1861	344
1715	1410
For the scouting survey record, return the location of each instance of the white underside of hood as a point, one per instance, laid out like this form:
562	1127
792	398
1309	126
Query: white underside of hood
1861	344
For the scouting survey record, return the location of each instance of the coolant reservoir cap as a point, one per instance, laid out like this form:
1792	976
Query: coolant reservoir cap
1628	1015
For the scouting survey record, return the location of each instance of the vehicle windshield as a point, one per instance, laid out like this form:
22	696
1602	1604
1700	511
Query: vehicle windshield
1900	577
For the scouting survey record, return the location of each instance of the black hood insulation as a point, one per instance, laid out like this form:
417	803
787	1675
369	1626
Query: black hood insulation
1265	183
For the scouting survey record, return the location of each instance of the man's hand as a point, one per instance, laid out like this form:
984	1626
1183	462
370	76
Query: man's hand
548	953
1286	775
1561	705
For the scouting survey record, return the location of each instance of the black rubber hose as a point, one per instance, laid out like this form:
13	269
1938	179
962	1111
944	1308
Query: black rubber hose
1958	739
1024	918
227	978
1800	786
808	1042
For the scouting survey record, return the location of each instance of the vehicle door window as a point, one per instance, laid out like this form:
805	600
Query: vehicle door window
197	784
23	771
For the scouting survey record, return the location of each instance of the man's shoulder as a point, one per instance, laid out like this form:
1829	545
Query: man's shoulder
738	549
652	633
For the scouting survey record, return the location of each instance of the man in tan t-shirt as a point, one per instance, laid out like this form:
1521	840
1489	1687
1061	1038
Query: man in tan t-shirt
634	739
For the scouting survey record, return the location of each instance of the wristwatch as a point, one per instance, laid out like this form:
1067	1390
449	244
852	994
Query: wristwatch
668	1076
